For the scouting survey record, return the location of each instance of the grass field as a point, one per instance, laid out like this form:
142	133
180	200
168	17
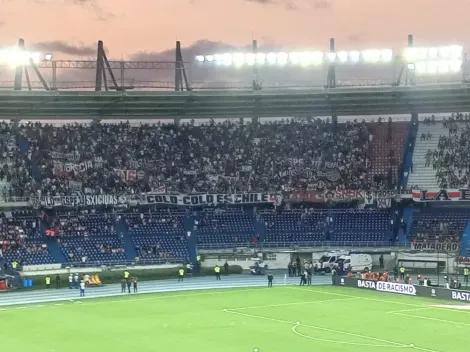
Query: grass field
288	318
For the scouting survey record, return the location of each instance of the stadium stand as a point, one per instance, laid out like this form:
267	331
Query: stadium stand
278	156
441	155
158	236
340	226
223	157
22	240
439	225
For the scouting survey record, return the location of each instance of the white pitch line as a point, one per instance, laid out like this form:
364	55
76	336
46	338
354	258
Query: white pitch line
59	304
39	306
294	303
342	342
408	310
323	329
352	296
430	306
433	319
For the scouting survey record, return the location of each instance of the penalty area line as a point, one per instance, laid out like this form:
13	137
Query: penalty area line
294	330
432	319
389	343
294	303
408	310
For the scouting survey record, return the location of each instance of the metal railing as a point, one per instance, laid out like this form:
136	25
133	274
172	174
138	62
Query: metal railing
266	245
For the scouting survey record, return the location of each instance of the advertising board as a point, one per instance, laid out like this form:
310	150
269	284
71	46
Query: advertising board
403	289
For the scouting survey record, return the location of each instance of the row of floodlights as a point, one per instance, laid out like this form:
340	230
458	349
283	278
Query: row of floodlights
304	58
449	52
17	57
307	58
432	67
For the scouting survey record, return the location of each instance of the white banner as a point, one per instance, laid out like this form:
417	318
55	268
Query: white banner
393	287
436	246
60	167
208	199
76	185
155	198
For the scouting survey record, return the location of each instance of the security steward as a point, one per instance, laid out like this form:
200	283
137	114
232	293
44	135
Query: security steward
402	273
48	282
270	280
465	276
126	275
217	272
14	265
180	274
198	262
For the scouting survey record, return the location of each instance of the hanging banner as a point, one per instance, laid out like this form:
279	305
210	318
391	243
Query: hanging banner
326	196
83	200
441	195
68	168
436	246
208	199
155	198
126	175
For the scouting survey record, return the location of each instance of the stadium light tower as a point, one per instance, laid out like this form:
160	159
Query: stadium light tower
20	59
331	78
440	60
305	59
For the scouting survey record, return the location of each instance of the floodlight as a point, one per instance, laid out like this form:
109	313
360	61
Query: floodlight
48	57
433	53
227	59
455	65
444	52
420	67
282	58
218	58
412	67
410	54
455	51
317	57
260	58
443	66
200	58
294	58
271	58
238	59
343	56
331	57
421	53
432	67
209	58
306	58
354	56
386	55
250	59
371	55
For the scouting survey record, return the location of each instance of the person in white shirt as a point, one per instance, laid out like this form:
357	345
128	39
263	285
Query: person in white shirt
70	281
75	279
87	280
82	288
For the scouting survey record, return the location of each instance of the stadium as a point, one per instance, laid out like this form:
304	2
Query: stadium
302	206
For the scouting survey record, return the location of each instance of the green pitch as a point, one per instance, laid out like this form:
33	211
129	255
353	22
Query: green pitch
290	318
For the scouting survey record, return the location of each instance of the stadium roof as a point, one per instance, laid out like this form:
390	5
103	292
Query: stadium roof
265	103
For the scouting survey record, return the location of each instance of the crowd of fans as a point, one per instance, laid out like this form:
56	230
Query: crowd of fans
451	160
40	159
435	231
17	237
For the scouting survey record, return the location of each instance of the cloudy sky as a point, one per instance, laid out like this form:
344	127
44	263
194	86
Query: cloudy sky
148	29
129	27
